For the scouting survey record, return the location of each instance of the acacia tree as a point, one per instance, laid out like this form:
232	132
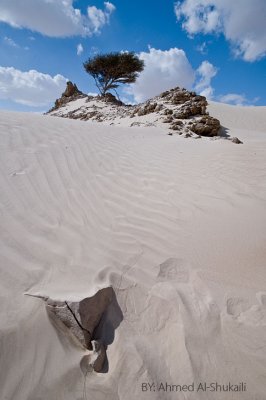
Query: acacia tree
112	69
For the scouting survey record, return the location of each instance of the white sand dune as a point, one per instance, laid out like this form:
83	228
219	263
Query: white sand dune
176	226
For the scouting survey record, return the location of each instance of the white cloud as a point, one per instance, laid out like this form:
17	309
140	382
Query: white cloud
31	88
167	69
202	48
233	98
237	99
241	21
10	42
79	49
163	70
205	73
99	17
55	18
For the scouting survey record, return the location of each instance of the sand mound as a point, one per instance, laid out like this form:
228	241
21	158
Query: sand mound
175	228
175	111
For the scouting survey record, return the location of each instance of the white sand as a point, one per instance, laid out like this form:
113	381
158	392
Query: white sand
177	227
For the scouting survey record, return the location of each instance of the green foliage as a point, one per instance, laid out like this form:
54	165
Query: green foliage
112	69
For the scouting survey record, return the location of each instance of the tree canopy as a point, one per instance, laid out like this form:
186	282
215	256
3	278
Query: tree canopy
112	69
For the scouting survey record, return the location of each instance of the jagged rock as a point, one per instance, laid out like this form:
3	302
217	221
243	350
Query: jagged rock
90	324
81	318
177	107
191	104
177	125
180	97
159	107
236	140
190	109
167	111
147	109
206	126
110	98
164	94
71	93
71	90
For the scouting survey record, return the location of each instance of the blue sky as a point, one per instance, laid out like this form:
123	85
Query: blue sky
216	47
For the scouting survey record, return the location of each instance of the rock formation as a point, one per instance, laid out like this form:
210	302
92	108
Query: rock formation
182	111
80	320
71	93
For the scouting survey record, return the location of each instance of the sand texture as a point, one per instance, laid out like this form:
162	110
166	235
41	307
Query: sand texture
175	226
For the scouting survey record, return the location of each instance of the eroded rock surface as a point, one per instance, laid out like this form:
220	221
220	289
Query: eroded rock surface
81	320
176	109
71	93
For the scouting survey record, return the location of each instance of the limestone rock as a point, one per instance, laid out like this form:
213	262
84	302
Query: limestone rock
206	126
184	111
71	93
176	125
110	98
71	90
148	108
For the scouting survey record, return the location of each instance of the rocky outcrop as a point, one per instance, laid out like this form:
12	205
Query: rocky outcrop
110	98
71	90
189	103
178	109
206	126
71	93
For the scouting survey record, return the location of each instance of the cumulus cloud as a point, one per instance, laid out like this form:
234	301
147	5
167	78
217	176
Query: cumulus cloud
163	70
170	68
79	49
55	18
31	88
205	73
241	21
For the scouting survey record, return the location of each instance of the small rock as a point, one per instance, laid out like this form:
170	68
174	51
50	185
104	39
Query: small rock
167	111
236	140
168	120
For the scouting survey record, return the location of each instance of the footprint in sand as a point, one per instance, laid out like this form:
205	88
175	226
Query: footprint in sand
173	269
237	305
247	313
